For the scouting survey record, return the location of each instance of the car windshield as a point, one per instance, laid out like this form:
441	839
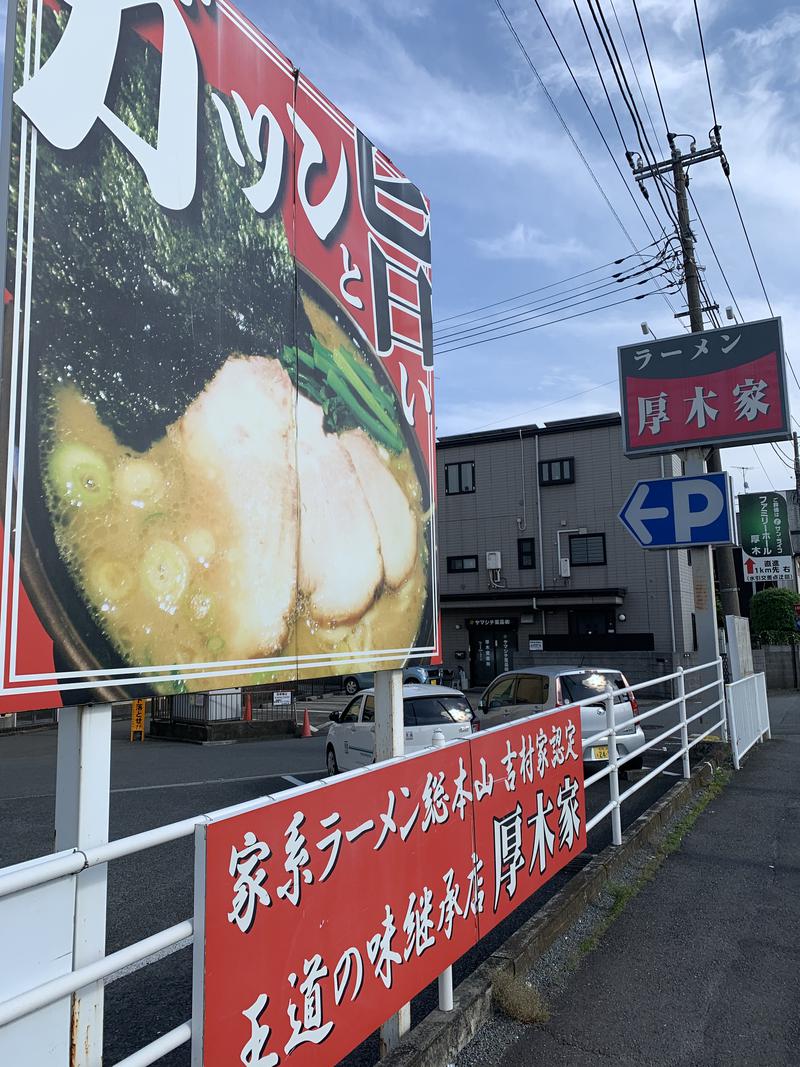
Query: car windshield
430	710
586	685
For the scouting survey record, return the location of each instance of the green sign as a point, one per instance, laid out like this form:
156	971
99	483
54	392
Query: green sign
766	542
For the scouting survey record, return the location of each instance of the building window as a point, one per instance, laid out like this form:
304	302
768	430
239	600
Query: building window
459	564
587	550
526	553
459	478
557	471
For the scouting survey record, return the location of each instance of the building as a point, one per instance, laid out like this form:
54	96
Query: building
534	564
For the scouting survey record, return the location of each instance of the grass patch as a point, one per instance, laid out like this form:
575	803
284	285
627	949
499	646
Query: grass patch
622	894
519	1000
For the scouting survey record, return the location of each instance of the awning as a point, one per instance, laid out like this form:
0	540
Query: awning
579	598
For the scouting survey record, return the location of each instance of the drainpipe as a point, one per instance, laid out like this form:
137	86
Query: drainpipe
522	524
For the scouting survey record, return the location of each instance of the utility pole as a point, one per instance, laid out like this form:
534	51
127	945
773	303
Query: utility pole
796	466
678	165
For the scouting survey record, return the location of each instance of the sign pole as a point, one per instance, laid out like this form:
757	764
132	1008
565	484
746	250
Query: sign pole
705	610
389	742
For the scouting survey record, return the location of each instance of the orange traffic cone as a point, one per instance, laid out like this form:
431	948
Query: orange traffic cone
306	725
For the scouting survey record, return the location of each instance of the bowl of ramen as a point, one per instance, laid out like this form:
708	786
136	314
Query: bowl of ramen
285	514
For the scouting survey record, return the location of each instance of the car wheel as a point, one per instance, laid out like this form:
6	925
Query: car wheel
351	686
330	760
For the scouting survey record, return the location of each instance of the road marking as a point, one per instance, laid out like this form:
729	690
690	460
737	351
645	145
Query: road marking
181	785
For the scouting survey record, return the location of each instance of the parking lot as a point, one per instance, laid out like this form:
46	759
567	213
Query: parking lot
161	781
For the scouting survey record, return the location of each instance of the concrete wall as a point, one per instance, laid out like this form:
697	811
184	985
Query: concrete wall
781	663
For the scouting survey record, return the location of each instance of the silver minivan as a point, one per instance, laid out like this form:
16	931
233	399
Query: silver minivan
518	694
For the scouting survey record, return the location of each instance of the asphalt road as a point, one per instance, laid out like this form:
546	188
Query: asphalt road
159	782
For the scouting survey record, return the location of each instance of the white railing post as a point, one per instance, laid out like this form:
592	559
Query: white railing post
730	707
763	700
613	777
723	706
390	742
83	781
446	977
687	770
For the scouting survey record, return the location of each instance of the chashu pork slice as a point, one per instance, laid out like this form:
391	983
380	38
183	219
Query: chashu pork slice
390	507
237	440
341	568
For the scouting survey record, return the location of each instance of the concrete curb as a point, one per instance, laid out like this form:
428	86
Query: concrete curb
441	1035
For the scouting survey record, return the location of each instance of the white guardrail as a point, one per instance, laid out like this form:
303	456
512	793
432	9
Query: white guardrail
748	715
47	1003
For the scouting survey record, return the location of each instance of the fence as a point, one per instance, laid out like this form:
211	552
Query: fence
748	715
53	910
267	703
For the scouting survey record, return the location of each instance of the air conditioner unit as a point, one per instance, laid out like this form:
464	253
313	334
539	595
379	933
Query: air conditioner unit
494	561
565	567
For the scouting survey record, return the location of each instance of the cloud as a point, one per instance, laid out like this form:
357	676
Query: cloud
528	242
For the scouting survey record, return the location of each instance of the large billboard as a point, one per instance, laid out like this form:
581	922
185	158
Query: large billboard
718	387
319	914
217	376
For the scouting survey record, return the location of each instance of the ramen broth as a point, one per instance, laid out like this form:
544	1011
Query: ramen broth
148	542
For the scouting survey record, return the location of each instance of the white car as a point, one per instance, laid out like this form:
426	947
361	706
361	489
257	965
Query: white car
426	708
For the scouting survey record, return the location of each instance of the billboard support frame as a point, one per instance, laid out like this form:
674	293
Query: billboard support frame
83	784
705	608
389	743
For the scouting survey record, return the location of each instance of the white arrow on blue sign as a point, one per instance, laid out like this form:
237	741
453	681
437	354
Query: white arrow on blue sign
681	512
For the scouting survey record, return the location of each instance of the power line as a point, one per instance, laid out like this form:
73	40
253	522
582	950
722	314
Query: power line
705	64
515	320
549	404
749	244
733	195
635	72
726	169
781	456
561	119
494	318
628	99
592	114
540	325
764	469
652	71
550	285
714	253
794	375
614	114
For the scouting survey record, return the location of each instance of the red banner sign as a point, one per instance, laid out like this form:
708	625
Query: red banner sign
322	913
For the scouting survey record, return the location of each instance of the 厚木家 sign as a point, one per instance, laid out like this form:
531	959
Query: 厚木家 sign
718	387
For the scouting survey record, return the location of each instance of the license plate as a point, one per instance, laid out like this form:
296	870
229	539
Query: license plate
600	752
434	681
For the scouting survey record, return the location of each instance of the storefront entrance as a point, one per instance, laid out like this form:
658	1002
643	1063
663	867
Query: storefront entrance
492	644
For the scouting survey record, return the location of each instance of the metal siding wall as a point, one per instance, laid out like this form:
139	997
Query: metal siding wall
475	523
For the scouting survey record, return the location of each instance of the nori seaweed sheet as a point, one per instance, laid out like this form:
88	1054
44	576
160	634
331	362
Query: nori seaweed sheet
139	306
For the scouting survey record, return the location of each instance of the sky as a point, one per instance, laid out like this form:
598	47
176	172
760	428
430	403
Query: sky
443	88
